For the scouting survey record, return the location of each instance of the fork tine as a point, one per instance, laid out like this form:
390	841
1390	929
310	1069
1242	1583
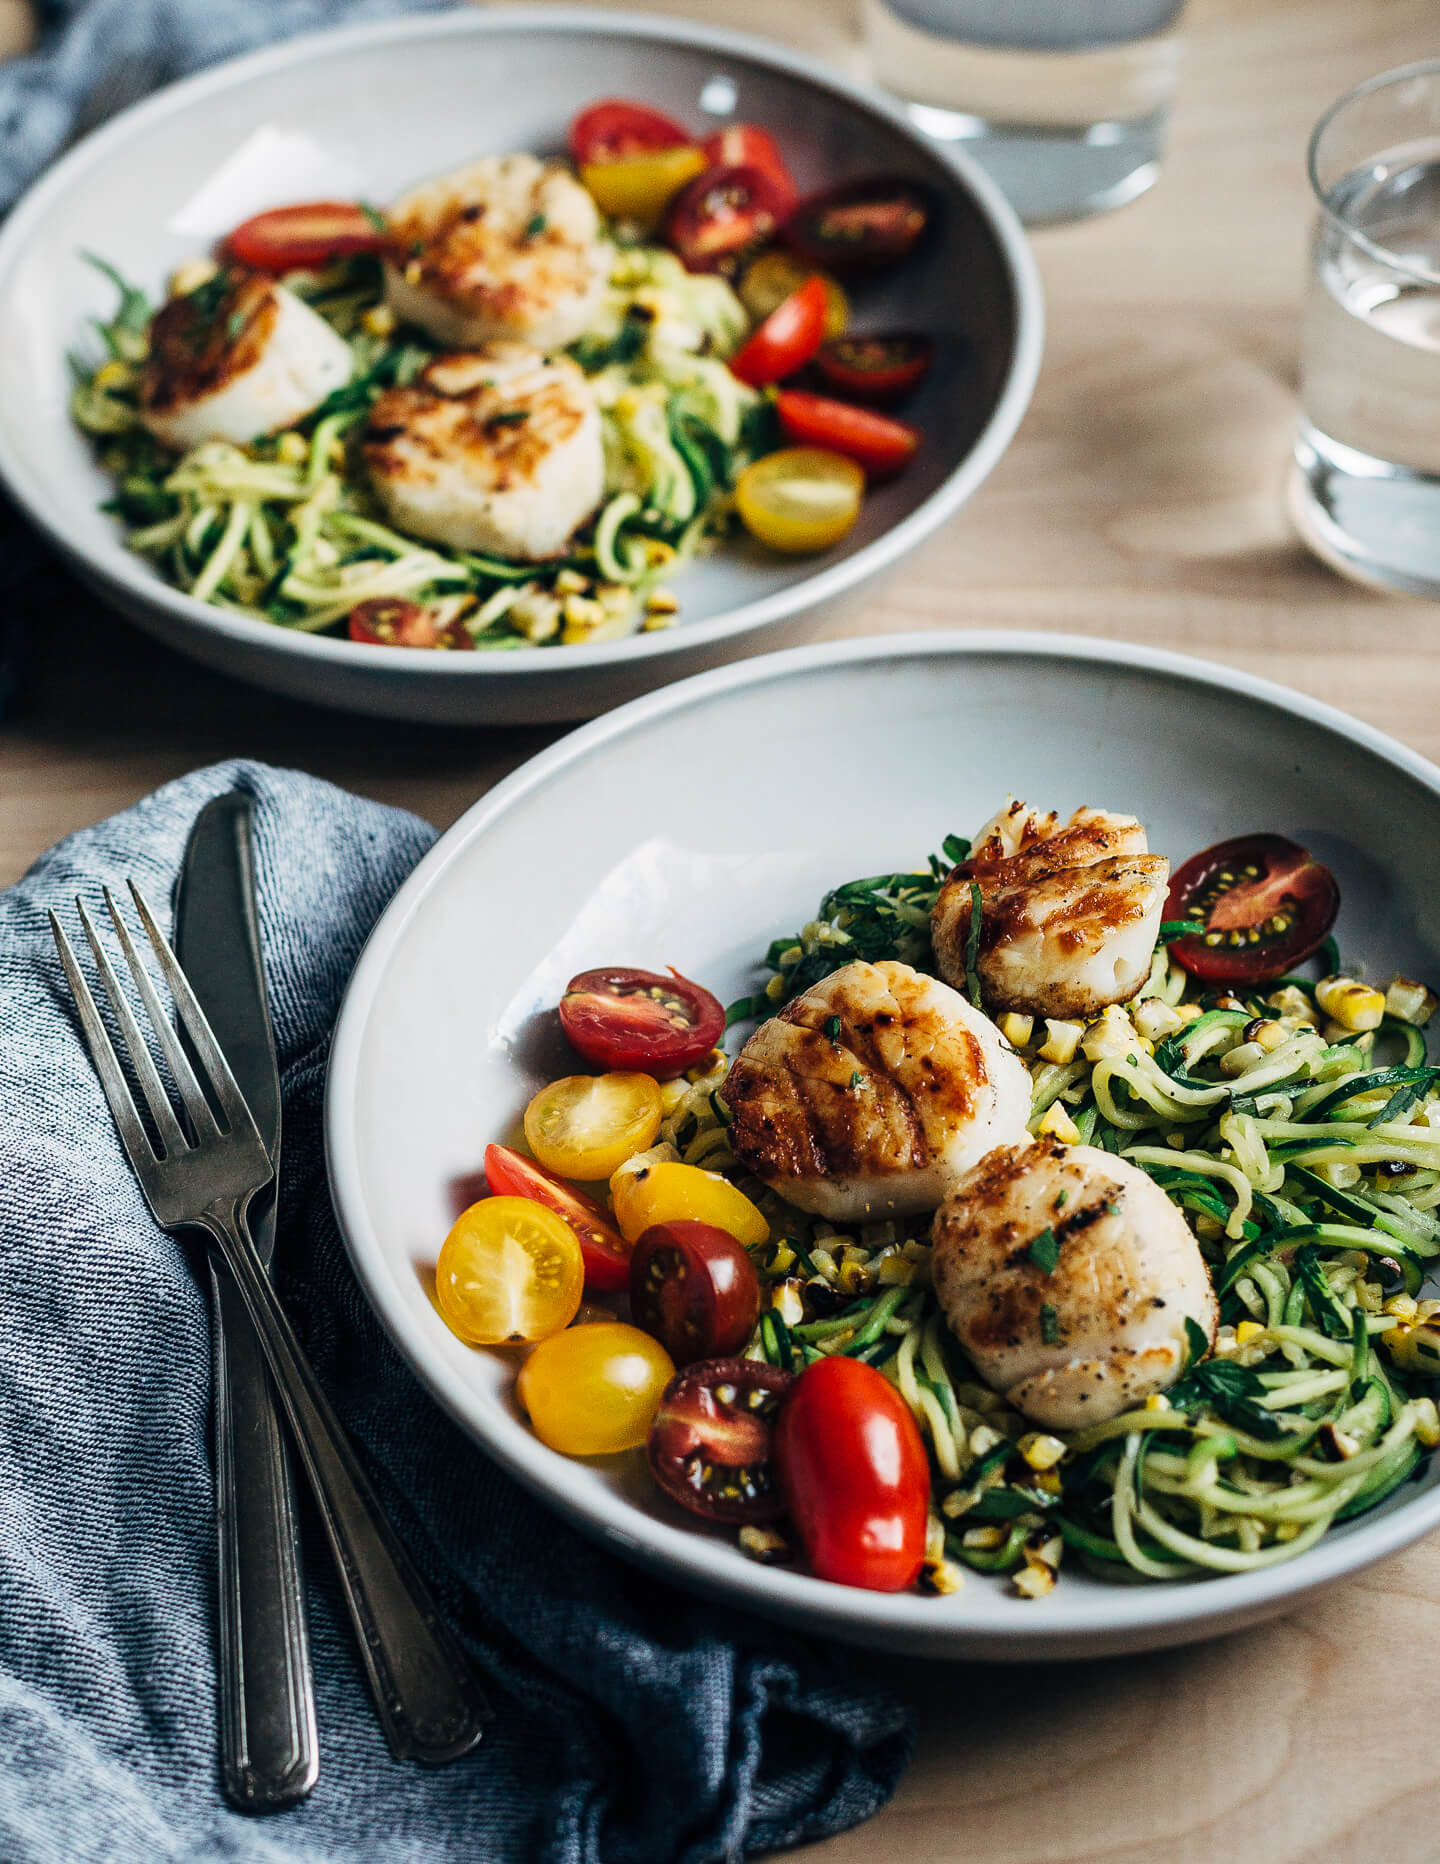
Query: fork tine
212	1057
171	1138
191	1092
132	1134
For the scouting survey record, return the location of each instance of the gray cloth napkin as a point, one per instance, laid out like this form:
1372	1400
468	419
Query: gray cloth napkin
636	1725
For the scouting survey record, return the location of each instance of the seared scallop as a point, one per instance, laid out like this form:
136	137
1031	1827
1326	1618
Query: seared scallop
508	247
497	450
868	1095
239	357
1068	1276
1069	915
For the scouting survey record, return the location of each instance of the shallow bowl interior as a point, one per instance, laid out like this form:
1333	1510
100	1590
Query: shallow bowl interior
367	111
701	822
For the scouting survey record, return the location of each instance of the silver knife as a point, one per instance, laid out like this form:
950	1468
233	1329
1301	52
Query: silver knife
269	1753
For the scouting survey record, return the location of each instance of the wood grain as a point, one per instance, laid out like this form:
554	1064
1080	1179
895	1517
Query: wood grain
1142	500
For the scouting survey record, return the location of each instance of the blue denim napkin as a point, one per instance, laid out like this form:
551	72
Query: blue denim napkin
636	1725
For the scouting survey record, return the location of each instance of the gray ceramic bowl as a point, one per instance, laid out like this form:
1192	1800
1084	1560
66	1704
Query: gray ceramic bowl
368	110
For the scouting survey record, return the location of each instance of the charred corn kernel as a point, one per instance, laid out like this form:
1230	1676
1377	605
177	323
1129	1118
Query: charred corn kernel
191	276
1414	1349
978	1537
671	1094
791	957
1410	1001
1157	1401
1291	1001
788	1302
1247	1330
1267	1034
940	1577
114	374
1345	1000
765	1544
782	1259
775	989
1040	1450
1035	1580
1155	1018
1016	1029
1189	1012
1057	1122
570	582
1061	1040
983	1439
894	1271
1225	1341
1288	1530
379	320
1227	1002
934	1537
1368	1294
1402	1307
1427	1422
1339	1174
1426	1310
956	1502
1110	1037
1049	1481
662	601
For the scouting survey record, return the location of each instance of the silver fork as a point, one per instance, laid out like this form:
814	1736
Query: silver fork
429	1702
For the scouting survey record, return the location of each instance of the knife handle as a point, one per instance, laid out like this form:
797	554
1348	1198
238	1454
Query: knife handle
269	1753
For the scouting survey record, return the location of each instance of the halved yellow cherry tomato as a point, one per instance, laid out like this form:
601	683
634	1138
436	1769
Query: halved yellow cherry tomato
669	1192
777	275
586	1125
594	1389
800	499
640	187
509	1271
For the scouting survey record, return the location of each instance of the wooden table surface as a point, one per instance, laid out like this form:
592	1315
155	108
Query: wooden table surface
1142	500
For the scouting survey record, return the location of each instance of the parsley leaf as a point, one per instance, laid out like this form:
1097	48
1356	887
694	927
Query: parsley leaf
1044	1251
1179	928
972	945
1196	1342
1049	1325
832	1029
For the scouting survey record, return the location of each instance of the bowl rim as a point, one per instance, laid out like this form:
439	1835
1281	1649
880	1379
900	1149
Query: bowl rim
1123	1617
140	585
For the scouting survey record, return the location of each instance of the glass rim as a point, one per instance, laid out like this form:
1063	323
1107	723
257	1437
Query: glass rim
1420	68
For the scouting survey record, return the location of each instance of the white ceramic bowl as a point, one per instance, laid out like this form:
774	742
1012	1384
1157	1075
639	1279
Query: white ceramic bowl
370	109
698	823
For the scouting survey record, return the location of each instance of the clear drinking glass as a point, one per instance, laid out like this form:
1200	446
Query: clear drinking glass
1066	102
1365	491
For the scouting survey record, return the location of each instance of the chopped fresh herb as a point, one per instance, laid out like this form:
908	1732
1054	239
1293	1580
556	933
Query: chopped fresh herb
742	1009
1196	1341
855	1080
535	226
1049	1325
509	417
955	848
1179	928
1062	1198
235	324
1044	1251
373	216
832	1029
972	944
133	316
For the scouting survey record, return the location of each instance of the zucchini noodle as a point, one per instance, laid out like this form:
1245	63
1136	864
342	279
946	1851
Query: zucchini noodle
1316	1218
286	529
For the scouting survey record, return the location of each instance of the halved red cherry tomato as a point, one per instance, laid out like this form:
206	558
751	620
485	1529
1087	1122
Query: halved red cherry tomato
615	127
604	1249
709	1443
788	337
861	224
878	370
285	239
875	441
393	621
638	1019
852	1469
1265	905
695	1289
746	145
721	215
